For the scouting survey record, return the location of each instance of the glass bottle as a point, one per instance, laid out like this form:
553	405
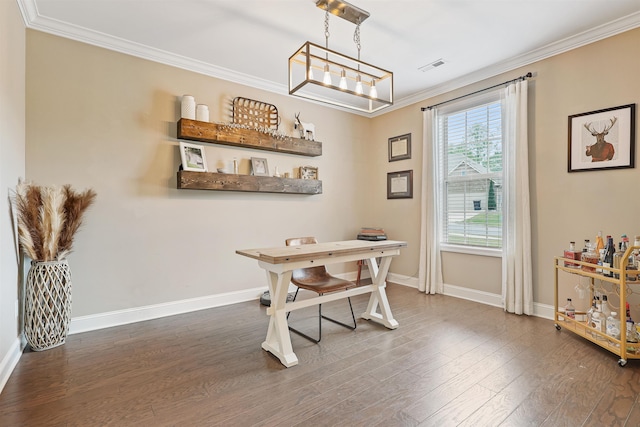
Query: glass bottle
598	323
632	333
570	310
606	310
636	242
610	249
624	244
591	310
599	242
572	246
591	257
585	248
636	253
613	325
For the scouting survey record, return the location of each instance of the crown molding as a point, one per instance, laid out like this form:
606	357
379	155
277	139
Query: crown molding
34	20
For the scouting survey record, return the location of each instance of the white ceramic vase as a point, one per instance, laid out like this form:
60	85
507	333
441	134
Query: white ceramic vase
188	107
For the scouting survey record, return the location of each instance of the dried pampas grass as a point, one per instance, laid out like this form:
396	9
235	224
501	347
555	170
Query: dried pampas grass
48	219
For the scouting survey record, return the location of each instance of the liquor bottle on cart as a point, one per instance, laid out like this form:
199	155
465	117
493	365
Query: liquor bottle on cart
610	249
570	310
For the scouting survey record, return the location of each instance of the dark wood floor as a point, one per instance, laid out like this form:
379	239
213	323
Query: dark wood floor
451	362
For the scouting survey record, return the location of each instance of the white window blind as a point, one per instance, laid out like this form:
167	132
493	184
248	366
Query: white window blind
470	156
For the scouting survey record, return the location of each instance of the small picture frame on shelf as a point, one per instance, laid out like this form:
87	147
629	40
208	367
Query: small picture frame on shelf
308	172
193	157
400	185
400	147
259	166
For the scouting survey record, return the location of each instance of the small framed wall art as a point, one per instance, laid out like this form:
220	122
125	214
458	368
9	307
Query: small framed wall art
193	157
602	139
400	185
308	172
400	147
259	166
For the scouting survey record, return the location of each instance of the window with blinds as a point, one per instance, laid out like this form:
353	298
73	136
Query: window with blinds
470	155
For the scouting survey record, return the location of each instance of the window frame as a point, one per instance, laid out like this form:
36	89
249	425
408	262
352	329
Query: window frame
451	109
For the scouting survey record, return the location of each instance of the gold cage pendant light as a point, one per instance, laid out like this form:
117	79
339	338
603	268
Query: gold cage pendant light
324	75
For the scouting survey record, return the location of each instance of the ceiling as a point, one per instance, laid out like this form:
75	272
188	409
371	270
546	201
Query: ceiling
250	41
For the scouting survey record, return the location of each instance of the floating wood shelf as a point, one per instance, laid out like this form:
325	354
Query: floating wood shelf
194	130
249	183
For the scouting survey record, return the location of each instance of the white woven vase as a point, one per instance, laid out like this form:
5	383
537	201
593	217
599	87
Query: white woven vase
47	304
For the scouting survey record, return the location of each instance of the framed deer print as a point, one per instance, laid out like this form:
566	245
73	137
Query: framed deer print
602	139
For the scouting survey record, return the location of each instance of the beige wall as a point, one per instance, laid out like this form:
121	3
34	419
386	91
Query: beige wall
12	143
565	206
105	120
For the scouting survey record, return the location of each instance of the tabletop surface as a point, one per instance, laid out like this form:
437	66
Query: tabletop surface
285	254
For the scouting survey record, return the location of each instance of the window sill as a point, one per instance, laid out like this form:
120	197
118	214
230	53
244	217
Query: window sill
471	250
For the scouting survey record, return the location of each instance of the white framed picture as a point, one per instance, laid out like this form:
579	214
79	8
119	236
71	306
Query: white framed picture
193	157
259	166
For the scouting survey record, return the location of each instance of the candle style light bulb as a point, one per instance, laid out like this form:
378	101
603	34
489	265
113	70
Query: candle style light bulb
327	76
373	92
311	73
343	79
358	85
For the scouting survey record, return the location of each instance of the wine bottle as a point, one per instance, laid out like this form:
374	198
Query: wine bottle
610	249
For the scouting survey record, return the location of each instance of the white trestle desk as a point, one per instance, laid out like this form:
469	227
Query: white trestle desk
281	261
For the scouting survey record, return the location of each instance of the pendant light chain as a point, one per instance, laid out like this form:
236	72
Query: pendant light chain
356	38
326	28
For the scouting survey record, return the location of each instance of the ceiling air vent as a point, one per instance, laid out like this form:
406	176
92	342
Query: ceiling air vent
431	66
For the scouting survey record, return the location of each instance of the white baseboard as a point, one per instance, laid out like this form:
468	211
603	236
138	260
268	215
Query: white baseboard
543	310
149	312
10	361
475	295
139	314
539	310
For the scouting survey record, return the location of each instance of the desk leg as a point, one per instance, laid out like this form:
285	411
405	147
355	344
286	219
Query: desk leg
278	340
379	296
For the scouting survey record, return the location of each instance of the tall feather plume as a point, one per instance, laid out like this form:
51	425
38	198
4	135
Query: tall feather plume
28	202
74	207
24	234
34	201
45	220
53	214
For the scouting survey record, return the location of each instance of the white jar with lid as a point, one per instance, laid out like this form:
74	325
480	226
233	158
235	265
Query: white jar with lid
202	113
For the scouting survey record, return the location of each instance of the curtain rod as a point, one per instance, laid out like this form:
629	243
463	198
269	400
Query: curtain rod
526	76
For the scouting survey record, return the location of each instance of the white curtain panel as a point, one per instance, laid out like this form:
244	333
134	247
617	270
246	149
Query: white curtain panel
517	287
430	268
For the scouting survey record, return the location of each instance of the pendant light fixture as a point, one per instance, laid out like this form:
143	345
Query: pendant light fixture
347	89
